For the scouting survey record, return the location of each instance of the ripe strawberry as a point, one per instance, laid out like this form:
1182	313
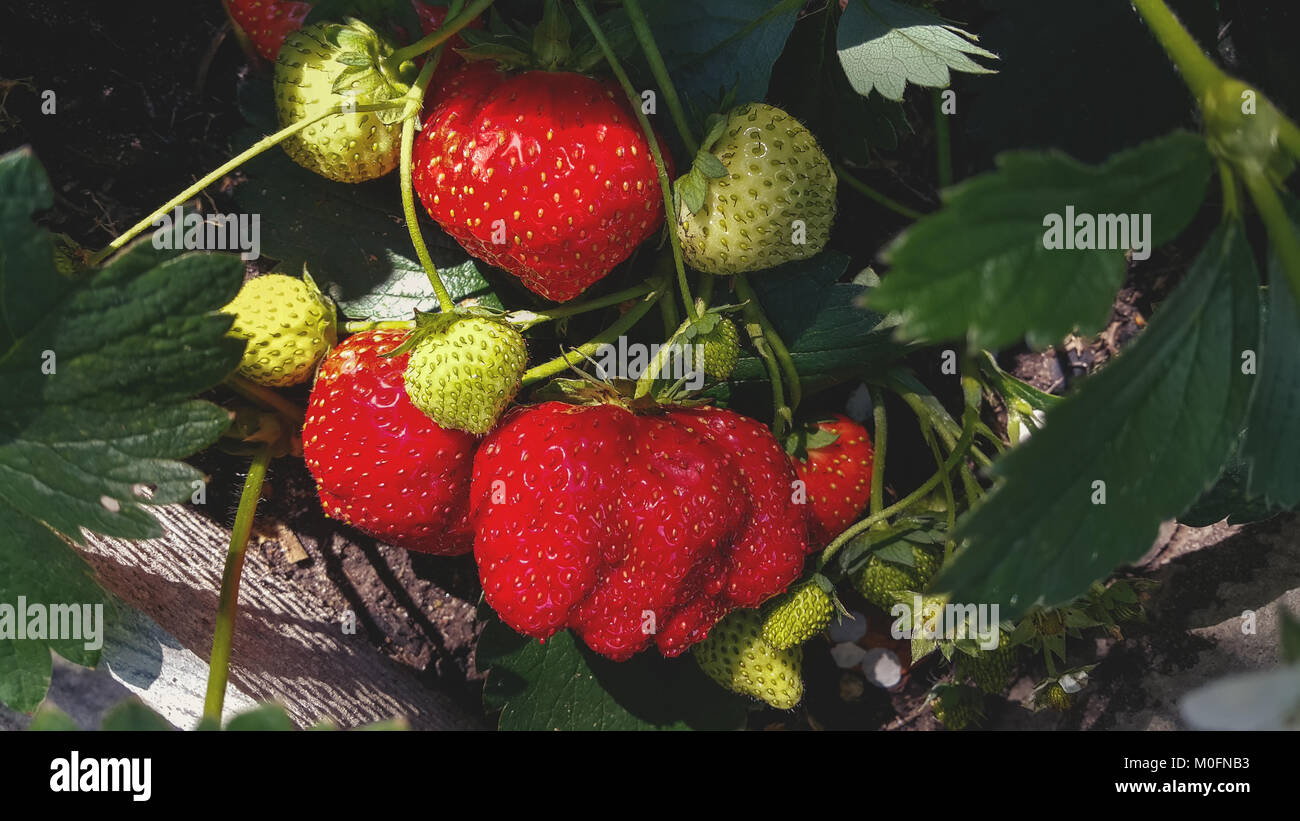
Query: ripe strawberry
775	175
267	22
881	581
736	656
631	528
380	464
465	369
545	174
800	614
347	147
836	476
288	324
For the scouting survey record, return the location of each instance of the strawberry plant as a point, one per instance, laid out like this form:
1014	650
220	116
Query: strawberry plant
694	327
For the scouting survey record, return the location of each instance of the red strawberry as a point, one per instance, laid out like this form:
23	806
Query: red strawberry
557	156
267	22
380	464
627	528
836	477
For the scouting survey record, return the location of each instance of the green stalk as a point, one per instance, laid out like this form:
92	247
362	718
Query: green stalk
363	325
668	309
781	413
225	168
647	380
753	312
958	452
946	482
266	397
416	96
943	141
527	319
1198	70
1281	233
228	605
606	337
1228	181
652	139
878	451
434	39
874	195
705	291
641	27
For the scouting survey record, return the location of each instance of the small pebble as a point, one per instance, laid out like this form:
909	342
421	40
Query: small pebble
847	654
882	668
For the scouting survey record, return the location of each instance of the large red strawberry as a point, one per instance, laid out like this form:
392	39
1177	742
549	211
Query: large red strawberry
632	528
545	174
267	22
836	476
380	464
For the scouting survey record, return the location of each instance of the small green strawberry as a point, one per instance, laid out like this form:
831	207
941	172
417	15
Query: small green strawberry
761	192
800	614
288	324
717	341
735	655
464	369
991	670
329	64
880	581
957	706
1054	696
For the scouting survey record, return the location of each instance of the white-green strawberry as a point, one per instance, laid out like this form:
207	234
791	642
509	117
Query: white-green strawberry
735	655
761	193
288	325
465	369
329	64
800	614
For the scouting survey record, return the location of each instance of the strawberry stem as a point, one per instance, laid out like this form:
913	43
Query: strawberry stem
267	398
416	97
641	27
881	432
228	605
874	195
1198	70
668	309
225	168
444	33
525	319
753	311
1282	234
606	337
634	101
647	380
361	326
781	413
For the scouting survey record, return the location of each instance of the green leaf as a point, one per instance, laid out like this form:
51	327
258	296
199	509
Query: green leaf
884	45
1155	425
263	718
558	685
978	268
820	322
1228	499
98	371
714	47
1272	448
133	716
52	719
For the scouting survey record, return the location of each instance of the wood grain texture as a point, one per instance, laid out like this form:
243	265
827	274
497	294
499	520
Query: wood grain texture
289	646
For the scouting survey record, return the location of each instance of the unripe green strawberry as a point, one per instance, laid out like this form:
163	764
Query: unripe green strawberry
311	78
721	349
880	580
465	369
288	324
771	199
992	669
798	616
735	655
958	706
1056	697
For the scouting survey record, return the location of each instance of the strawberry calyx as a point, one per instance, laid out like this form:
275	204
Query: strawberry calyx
548	47
368	75
809	436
